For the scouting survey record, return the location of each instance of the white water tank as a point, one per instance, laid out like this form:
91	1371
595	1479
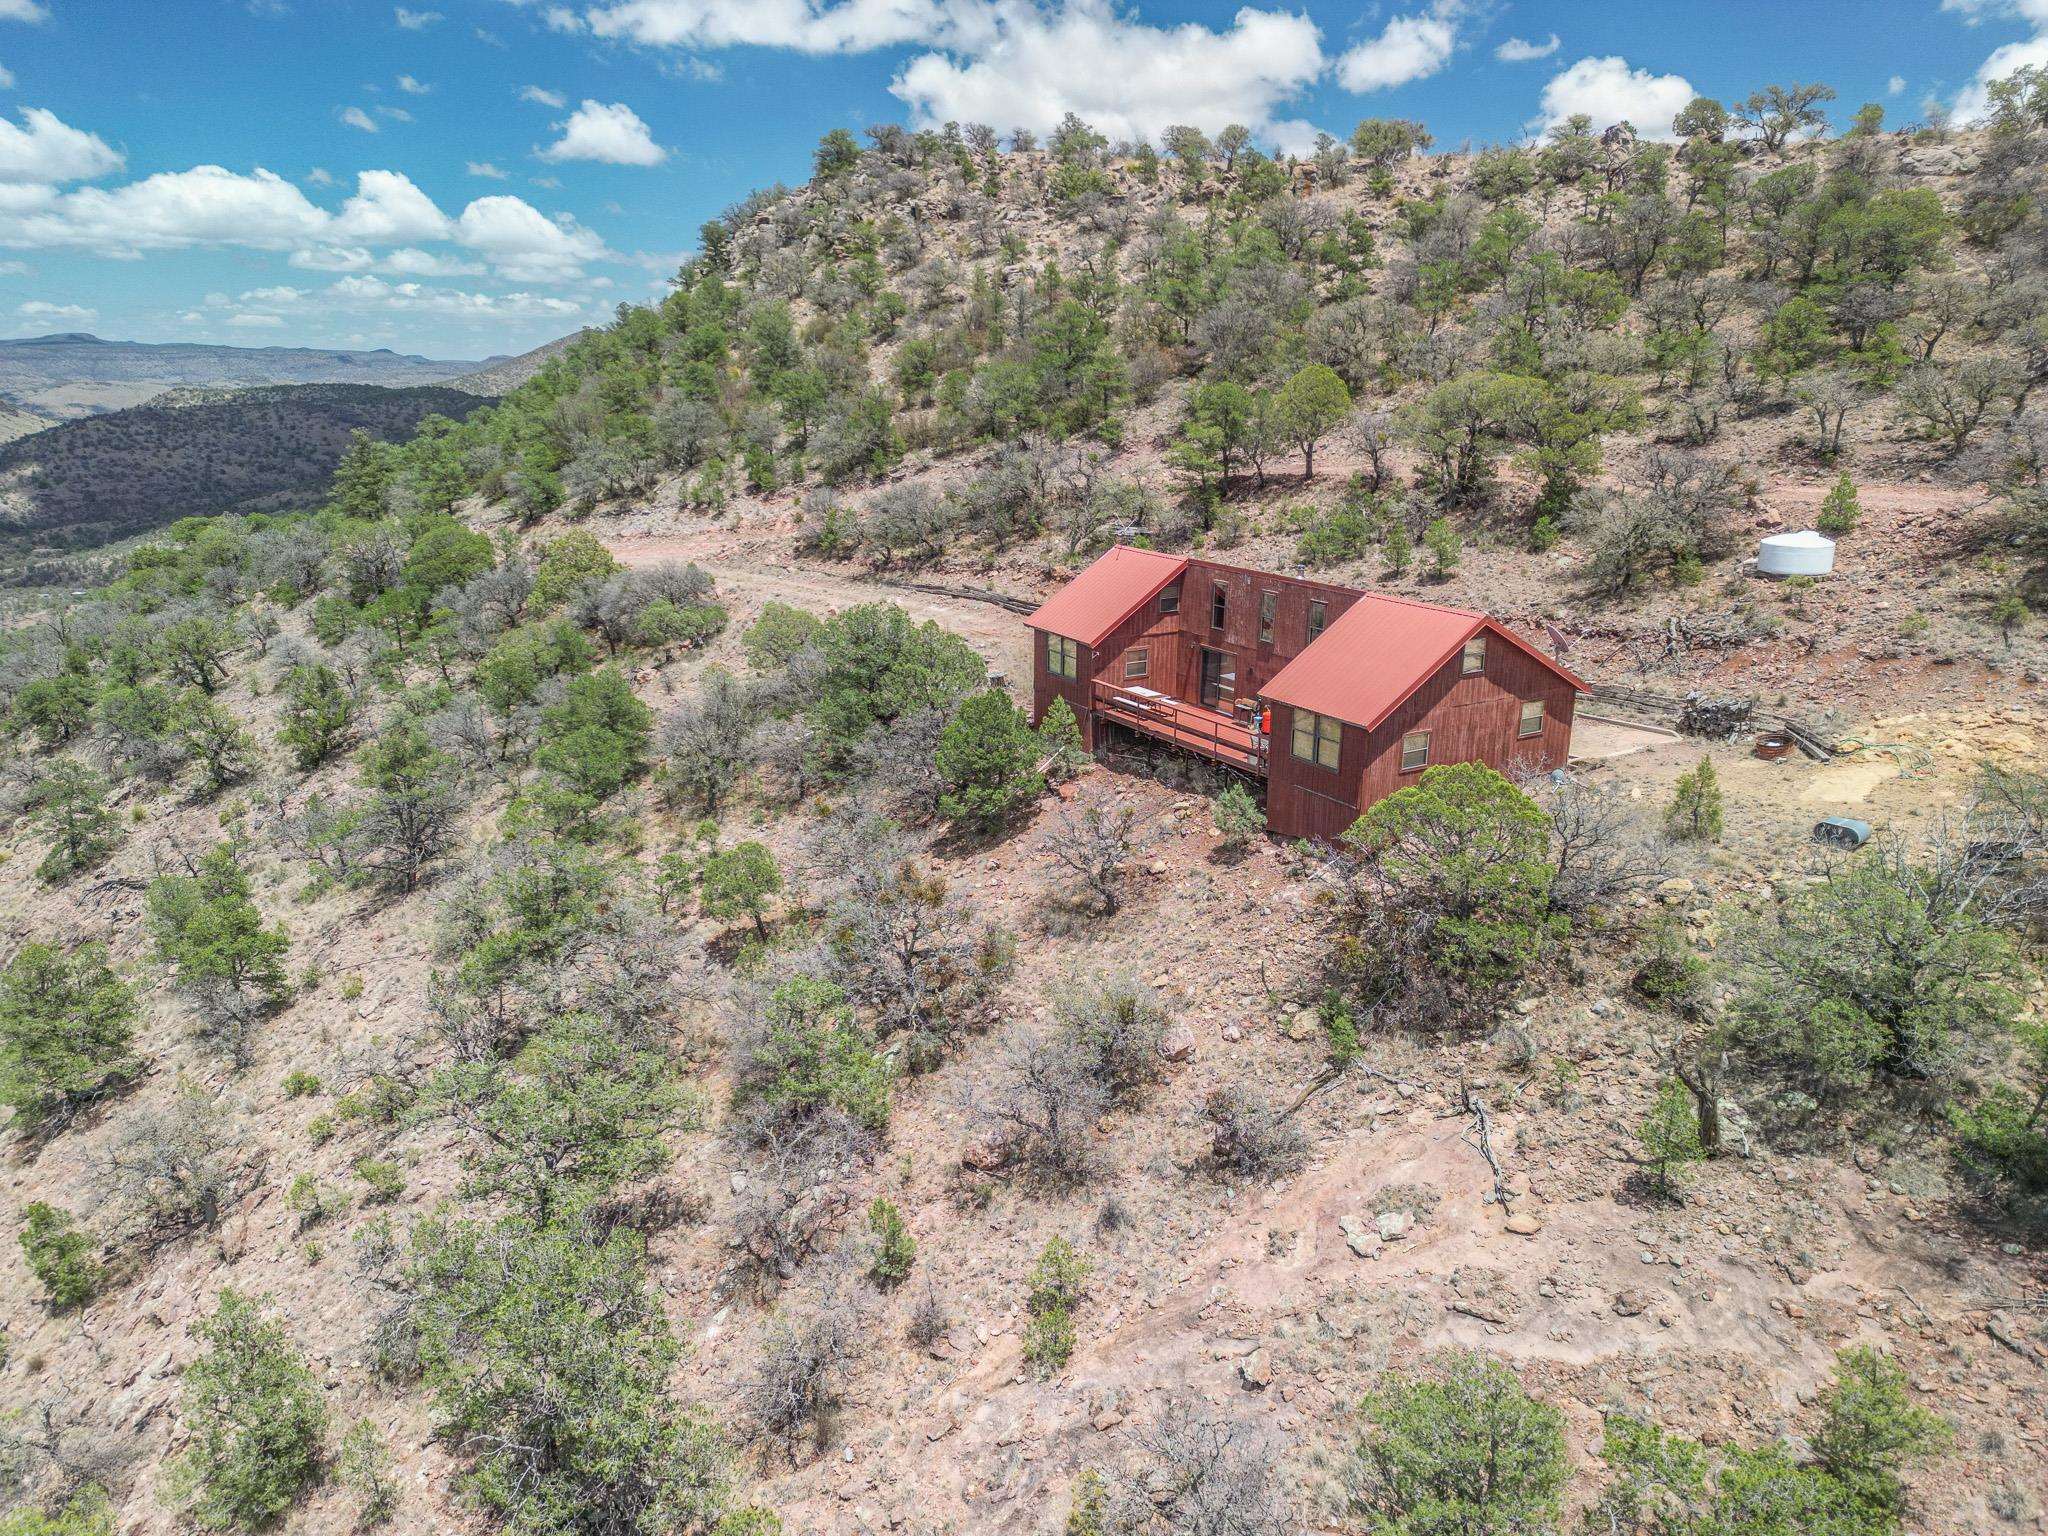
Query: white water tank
1805	553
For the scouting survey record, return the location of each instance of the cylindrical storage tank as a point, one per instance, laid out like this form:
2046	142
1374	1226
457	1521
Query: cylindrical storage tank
1805	553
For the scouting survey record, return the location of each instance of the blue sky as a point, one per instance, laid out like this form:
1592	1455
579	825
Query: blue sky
463	177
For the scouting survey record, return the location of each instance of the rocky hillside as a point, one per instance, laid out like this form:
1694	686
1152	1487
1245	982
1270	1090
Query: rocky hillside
503	375
193	452
549	993
17	420
72	374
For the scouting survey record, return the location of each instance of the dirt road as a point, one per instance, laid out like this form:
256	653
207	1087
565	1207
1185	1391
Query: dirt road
752	572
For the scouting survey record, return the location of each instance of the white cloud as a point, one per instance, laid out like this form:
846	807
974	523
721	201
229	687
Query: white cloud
255	322
485	169
374	294
1127	78
46	150
809	26
356	117
396	114
613	135
44	313
560	18
1519	50
1609	92
412	87
388	209
1974	101
207	205
1896	86
210	205
523	243
13	269
319	177
6	78
1974	11
415	21
22	10
1408	48
543	97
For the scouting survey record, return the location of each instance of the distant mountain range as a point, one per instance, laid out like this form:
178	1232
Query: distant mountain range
45	379
196	451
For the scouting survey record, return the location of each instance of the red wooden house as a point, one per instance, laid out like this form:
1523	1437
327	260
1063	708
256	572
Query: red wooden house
1362	690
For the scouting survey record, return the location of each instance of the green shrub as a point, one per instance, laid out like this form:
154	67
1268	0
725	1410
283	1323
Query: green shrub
1464	1451
59	1256
365	1468
309	1201
72	802
1871	1429
381	1178
1237	815
814	1053
86	1511
300	1085
1694	815
1840	510
987	760
65	1026
1444	546
1057	1284
1059	739
740	881
549	1359
1670	1134
256	1418
895	1248
1345	533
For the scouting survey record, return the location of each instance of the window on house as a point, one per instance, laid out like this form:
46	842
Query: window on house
1269	605
1219	605
1414	751
1474	660
1532	718
1169	600
1318	611
1062	656
1317	738
1137	662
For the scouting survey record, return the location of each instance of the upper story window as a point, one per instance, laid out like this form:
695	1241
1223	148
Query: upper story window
1137	662
1473	662
1317	738
1532	718
1414	751
1219	605
1169	600
1062	656
1318	615
1269	605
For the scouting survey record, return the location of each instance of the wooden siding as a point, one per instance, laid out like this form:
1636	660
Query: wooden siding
1474	720
1470	719
1256	663
1305	799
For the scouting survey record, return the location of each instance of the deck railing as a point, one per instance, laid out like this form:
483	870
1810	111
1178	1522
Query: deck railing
1207	732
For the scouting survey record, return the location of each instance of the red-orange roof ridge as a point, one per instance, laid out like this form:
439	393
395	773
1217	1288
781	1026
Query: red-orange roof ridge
1110	590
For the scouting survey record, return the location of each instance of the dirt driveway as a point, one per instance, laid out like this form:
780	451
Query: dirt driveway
753	572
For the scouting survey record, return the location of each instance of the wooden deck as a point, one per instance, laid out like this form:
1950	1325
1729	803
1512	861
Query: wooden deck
1205	732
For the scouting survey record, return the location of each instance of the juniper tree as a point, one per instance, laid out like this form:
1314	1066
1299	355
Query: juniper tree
66	1023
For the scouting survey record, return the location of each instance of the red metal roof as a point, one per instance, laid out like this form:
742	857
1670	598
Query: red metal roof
1378	652
1090	606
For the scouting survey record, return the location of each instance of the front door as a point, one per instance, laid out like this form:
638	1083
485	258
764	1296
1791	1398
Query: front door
1219	679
